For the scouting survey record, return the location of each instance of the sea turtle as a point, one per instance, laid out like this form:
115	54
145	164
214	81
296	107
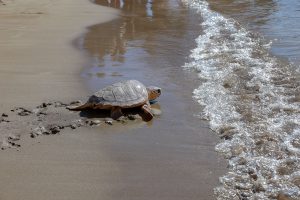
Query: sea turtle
125	94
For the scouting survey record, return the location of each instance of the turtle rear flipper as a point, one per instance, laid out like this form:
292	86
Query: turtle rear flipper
79	108
116	113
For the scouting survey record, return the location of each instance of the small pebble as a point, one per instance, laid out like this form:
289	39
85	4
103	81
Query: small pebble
3	120
137	116
14	144
76	102
95	122
109	122
39	131
14	138
4	115
54	129
41	113
46	133
122	119
254	176
59	104
131	117
23	113
156	111
73	126
36	111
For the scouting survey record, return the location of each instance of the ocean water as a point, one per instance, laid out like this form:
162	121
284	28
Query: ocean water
247	58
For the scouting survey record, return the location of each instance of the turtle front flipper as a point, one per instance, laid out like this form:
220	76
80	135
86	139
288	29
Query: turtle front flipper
116	112
147	115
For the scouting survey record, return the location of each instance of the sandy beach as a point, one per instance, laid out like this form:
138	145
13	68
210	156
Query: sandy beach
172	157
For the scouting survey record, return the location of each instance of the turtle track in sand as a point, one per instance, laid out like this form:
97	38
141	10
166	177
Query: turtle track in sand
52	118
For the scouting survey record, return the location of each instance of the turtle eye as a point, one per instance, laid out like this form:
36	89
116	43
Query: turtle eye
158	90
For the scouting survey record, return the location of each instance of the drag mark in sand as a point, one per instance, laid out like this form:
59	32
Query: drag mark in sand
52	118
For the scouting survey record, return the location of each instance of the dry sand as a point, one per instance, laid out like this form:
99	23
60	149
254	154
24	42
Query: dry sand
139	161
37	62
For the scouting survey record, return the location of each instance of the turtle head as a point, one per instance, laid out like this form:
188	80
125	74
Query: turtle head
153	92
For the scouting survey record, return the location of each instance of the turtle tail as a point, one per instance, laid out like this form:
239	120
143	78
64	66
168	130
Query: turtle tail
79	108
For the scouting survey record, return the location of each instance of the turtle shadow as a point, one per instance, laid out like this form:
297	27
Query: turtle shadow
104	114
130	113
90	113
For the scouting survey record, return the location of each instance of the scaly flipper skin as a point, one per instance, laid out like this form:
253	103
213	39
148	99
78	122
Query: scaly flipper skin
147	116
116	113
80	108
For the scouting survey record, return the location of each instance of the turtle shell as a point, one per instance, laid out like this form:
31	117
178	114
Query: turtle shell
125	94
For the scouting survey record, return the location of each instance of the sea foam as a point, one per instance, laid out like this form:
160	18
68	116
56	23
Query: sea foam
252	101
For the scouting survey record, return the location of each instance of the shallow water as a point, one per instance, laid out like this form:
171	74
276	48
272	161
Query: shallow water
250	91
276	20
150	39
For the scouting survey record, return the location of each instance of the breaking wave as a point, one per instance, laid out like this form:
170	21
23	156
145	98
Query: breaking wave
252	100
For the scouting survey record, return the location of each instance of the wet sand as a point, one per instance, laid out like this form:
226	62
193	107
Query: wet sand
172	157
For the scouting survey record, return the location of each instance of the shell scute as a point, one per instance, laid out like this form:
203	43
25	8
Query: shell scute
130	93
108	95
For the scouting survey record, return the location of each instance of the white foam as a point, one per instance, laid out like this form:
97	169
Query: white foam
247	94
